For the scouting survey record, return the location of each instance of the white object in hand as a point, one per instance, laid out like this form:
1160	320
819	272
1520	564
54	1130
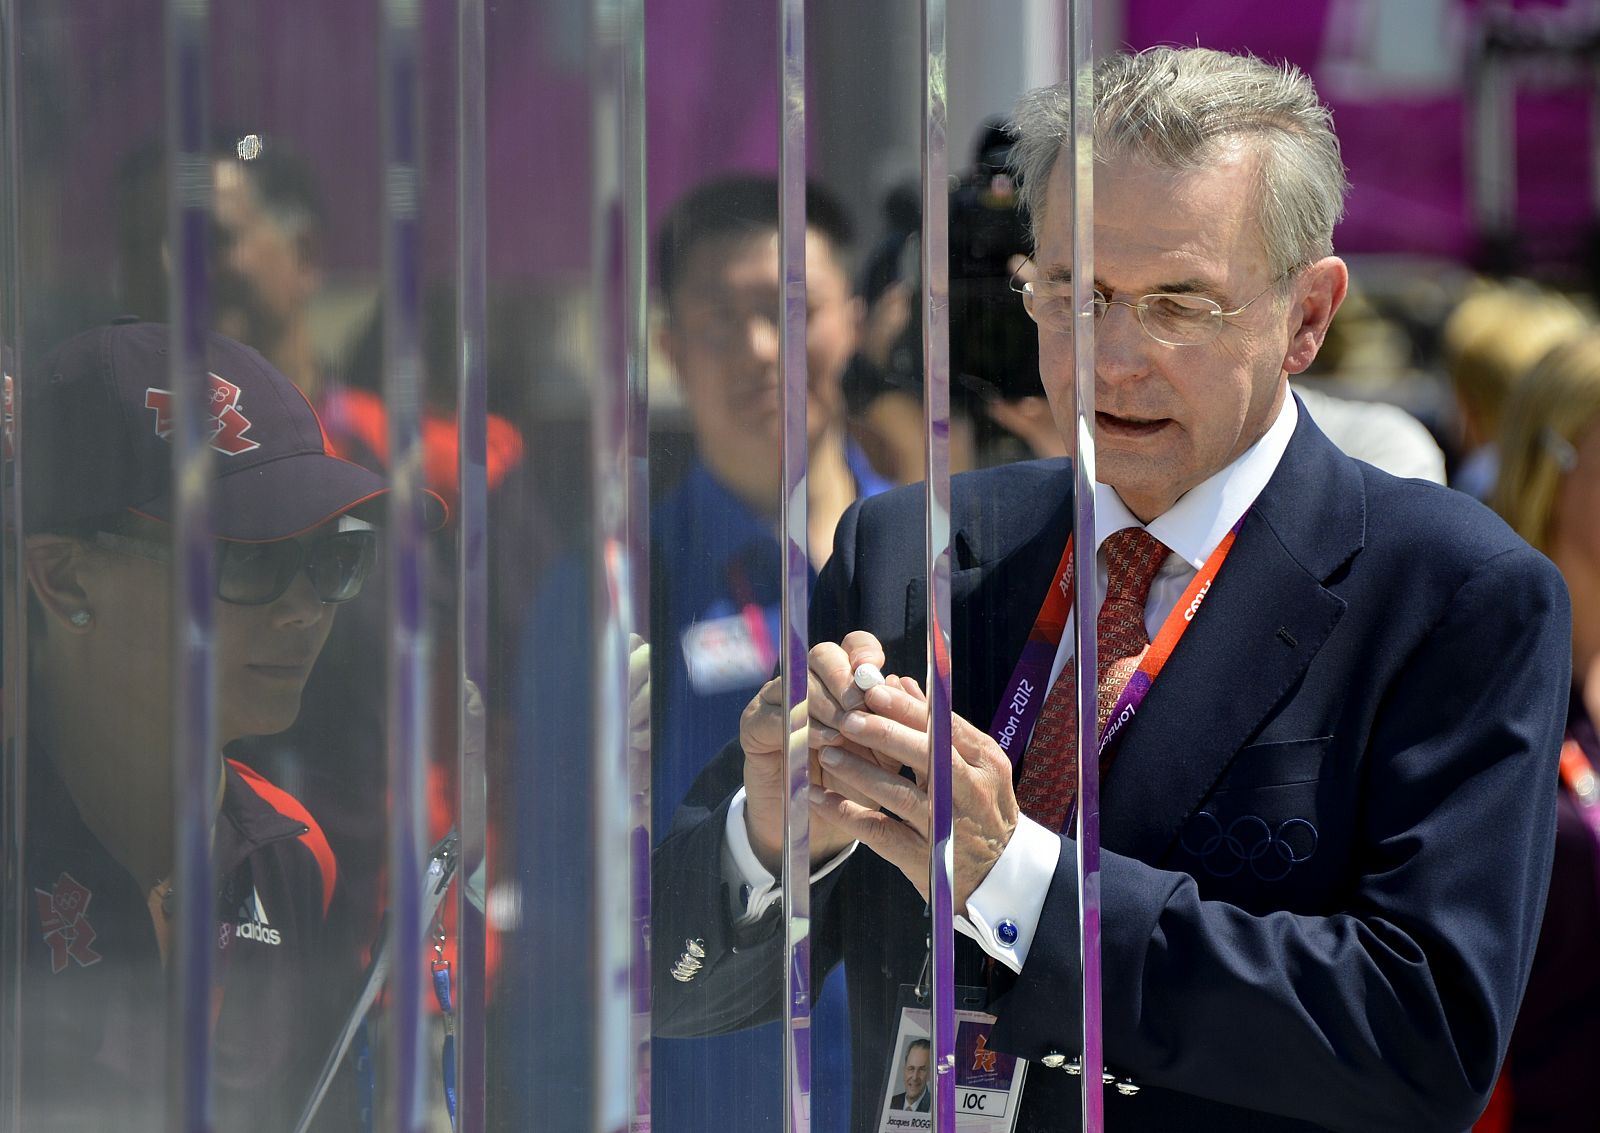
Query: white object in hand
868	676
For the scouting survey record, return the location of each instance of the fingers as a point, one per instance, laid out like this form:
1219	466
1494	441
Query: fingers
862	779
867	798
831	693
976	746
832	687
761	729
909	707
889	737
896	842
861	647
899	704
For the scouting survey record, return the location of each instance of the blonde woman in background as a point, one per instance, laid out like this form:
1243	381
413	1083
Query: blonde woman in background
1490	341
1549	491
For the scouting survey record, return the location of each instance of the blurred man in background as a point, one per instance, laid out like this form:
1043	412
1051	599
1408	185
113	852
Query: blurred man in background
716	559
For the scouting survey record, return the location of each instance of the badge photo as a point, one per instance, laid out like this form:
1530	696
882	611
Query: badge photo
988	1083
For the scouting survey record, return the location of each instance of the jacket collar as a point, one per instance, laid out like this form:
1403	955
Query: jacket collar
246	823
57	832
1005	560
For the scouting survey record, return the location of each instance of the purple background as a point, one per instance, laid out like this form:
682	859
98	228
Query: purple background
305	72
1406	155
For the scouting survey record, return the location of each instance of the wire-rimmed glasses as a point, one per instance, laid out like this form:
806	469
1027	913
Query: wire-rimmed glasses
1172	319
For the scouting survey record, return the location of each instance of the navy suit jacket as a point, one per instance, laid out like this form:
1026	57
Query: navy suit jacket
1327	834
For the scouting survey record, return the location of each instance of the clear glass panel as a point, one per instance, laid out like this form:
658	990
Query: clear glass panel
472	635
93	777
298	255
420	233
794	352
716	582
565	677
938	779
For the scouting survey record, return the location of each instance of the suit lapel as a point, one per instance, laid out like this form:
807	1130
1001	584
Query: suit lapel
1263	622
996	588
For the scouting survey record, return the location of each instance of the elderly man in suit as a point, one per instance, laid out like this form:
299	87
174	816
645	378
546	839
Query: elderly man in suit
1327	823
916	1097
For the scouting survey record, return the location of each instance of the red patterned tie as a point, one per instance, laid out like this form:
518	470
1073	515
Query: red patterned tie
1050	768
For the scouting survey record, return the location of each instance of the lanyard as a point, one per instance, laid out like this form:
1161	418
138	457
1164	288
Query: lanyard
442	862
1579	776
1024	696
440	967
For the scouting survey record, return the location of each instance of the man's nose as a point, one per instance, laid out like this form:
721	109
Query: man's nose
1121	347
299	605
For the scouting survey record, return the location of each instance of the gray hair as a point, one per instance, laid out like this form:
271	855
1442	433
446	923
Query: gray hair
1175	108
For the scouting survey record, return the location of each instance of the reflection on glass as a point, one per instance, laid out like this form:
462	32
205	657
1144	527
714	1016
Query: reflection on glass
99	565
716	588
519	277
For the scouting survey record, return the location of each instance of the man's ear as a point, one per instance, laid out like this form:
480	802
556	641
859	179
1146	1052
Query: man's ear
1321	289
55	566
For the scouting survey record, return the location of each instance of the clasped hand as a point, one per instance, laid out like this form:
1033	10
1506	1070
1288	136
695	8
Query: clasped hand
859	743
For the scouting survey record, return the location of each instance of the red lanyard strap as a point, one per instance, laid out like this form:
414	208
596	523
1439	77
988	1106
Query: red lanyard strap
1579	776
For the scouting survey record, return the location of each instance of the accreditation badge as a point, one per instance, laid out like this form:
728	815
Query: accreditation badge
728	653
988	1083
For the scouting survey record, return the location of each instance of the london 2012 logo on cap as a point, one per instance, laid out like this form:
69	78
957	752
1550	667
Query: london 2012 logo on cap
228	423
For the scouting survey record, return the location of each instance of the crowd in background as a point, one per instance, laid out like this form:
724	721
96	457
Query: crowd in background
1489	385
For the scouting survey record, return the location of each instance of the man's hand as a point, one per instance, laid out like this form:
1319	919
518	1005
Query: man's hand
890	734
831	693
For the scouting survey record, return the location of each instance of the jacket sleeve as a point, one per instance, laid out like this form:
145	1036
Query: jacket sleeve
739	979
1394	1012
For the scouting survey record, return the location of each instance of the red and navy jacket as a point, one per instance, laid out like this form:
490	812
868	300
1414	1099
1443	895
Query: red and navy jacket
94	1001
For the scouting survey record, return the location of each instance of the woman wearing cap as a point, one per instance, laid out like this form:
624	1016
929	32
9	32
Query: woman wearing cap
98	559
1549	490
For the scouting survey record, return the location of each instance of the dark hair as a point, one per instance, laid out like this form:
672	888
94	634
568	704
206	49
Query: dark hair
284	187
915	1043
140	202
739	205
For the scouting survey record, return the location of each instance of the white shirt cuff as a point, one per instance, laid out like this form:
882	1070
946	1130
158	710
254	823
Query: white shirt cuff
1013	894
752	889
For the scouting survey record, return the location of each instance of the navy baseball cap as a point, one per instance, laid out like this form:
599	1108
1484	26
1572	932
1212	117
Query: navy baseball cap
97	421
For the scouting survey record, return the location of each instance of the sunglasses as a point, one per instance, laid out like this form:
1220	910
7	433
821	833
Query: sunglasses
255	574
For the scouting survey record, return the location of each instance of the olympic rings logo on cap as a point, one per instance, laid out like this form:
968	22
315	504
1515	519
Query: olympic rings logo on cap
1249	840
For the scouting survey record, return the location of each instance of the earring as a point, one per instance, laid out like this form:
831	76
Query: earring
81	618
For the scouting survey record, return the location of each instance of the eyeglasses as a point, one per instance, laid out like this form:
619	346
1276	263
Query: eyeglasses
256	574
1170	319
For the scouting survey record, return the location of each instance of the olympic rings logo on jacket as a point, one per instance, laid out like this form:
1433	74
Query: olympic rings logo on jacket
1271	852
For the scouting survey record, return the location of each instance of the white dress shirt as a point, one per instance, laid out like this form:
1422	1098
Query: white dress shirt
1015	887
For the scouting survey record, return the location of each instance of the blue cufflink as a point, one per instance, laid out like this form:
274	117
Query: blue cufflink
1006	932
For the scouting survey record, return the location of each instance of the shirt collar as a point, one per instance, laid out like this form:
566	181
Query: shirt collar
1194	526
